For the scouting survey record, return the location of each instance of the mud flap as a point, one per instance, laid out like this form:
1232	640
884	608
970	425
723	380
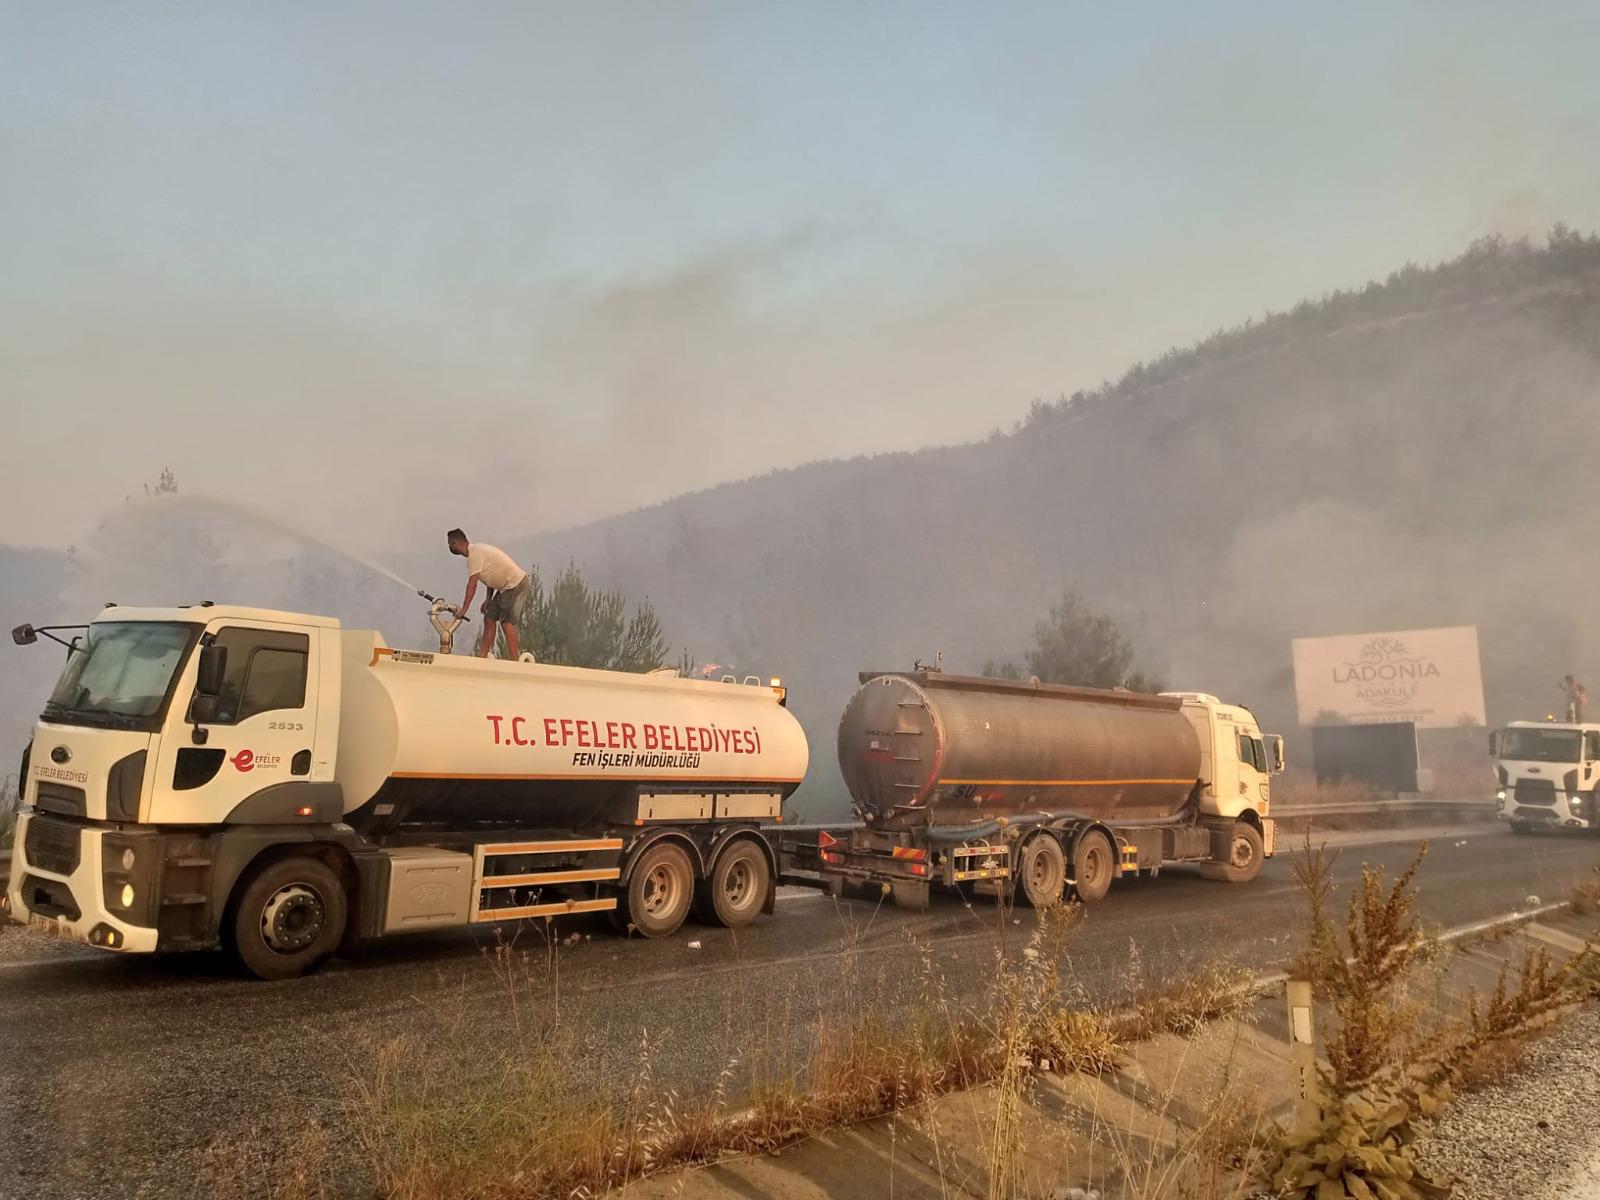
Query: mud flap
910	895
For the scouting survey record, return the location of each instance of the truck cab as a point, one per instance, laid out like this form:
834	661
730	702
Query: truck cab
164	720
1548	772
1237	762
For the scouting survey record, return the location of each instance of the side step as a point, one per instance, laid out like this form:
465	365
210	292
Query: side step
484	884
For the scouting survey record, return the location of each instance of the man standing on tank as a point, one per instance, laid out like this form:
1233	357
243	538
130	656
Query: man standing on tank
508	589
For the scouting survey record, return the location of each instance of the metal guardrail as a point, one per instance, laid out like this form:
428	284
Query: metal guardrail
1292	811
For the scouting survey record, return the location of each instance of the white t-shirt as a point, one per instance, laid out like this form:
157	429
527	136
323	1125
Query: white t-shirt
493	566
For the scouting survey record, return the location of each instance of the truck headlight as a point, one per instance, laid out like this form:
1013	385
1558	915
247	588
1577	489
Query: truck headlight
127	859
126	895
1501	795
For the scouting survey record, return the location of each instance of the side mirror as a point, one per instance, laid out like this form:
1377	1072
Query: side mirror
1494	744
24	635
1275	753
211	672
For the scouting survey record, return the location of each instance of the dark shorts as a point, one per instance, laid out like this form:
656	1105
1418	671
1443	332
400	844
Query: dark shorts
505	608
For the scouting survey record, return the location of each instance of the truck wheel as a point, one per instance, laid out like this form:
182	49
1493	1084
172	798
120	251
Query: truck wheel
288	918
1246	853
1521	827
659	891
737	889
1093	862
1042	870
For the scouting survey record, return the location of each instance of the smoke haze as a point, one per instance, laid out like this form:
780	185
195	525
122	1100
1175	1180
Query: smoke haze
374	267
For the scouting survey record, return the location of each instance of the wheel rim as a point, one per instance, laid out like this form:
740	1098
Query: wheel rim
660	890
1244	852
1042	872
1094	865
291	919
739	882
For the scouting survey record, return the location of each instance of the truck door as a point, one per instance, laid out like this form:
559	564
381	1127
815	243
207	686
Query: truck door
1253	771
263	734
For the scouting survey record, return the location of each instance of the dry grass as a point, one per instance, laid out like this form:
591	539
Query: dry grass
1185	1003
250	1165
1585	896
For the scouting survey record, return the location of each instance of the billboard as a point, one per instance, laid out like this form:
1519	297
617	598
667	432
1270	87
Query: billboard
1430	677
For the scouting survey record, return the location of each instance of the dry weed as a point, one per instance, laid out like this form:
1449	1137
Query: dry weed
1393	1059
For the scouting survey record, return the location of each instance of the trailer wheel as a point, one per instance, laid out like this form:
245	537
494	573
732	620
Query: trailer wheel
288	918
1042	870
737	890
659	891
1094	860
1246	853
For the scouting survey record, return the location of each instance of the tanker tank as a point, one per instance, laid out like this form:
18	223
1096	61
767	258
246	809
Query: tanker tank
928	749
456	741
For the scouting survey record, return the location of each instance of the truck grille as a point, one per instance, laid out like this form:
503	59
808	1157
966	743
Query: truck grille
1536	791
52	846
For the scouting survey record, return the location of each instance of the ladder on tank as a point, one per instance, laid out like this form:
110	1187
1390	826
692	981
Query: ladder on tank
485	885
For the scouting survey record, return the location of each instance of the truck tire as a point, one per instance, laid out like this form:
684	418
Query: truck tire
1246	853
660	890
737	890
1094	863
1521	827
288	917
1042	871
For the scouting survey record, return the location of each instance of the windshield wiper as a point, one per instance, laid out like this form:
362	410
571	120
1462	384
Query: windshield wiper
124	719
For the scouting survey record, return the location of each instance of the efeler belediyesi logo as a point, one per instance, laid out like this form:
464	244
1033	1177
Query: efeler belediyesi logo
1386	673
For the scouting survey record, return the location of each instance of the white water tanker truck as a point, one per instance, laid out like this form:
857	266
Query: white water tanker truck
280	785
1005	784
277	784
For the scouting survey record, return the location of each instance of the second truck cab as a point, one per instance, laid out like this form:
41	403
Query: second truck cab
1548	772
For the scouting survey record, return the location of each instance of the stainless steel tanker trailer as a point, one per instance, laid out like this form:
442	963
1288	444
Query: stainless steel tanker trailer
1000	784
280	785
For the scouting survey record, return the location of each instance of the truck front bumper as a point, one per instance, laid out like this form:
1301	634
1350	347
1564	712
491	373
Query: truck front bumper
1570	810
72	879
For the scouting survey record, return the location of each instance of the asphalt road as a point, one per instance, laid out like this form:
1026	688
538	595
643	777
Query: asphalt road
117	1074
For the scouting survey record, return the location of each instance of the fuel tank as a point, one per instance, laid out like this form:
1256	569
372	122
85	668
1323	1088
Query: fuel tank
926	748
452	740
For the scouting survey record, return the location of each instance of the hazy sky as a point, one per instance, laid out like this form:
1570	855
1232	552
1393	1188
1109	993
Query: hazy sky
392	267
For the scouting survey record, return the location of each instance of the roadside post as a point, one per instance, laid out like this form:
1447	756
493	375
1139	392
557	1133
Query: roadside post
1303	1050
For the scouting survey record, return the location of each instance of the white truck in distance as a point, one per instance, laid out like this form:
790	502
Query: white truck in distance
278	784
1548	772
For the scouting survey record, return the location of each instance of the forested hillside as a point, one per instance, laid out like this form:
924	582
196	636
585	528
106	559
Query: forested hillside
1416	453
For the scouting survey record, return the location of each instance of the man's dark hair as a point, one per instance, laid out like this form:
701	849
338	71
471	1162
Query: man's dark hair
454	534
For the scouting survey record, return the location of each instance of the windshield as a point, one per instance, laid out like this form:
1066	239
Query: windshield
1541	745
121	669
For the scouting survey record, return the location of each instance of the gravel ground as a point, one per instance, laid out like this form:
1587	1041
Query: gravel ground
1532	1136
